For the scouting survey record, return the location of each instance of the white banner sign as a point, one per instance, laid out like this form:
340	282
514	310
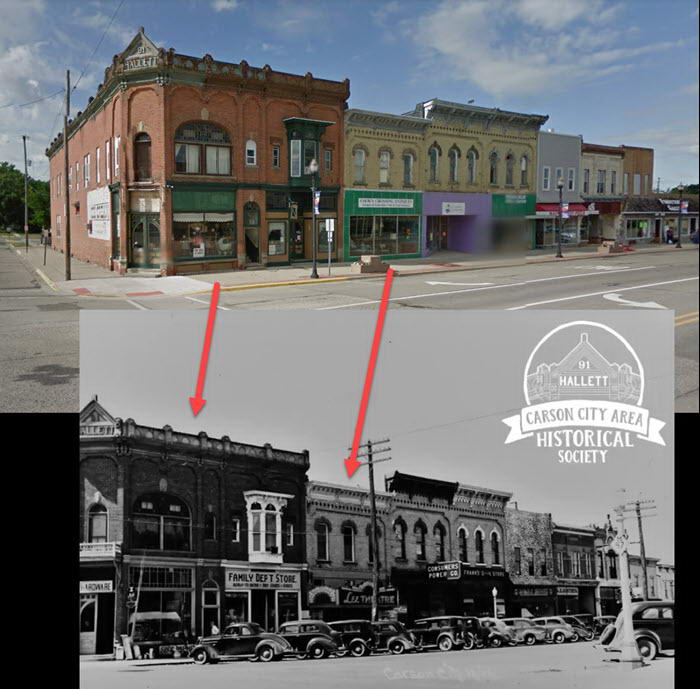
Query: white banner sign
453	208
384	203
262	579
96	587
98	203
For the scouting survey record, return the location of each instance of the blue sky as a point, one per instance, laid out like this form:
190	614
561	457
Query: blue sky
614	71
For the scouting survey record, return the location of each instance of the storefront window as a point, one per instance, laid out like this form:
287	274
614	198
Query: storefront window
408	230
200	235
287	606
235	608
637	229
361	235
277	237
584	229
384	234
210	605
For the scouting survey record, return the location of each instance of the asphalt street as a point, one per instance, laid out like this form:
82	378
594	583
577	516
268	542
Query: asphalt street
574	666
39	334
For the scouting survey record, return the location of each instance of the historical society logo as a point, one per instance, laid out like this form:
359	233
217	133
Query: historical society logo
581	402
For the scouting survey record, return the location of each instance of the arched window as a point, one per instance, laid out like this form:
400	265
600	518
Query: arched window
210	526
384	163
510	162
462	540
251	214
434	156
523	171
471	166
419	532
97	524
439	535
202	148
359	159
348	531
142	158
161	522
322	550
493	168
495	549
479	540
251	152
400	536
454	163
408	169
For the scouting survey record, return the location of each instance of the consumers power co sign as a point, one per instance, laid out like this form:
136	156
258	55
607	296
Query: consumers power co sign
583	385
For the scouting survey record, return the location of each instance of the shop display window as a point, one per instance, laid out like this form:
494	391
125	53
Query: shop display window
235	607
203	235
277	238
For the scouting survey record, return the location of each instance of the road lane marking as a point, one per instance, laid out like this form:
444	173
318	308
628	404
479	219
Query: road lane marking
136	304
462	284
202	301
687	321
628	302
680	316
46	280
479	289
597	294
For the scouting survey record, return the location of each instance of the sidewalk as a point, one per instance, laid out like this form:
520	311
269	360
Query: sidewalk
92	280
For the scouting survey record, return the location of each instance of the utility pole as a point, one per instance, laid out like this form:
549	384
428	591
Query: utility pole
680	205
658	185
66	170
370	451
640	505
26	186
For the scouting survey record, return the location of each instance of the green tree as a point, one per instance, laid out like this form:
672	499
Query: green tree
12	200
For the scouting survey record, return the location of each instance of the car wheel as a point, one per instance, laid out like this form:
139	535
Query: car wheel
200	656
445	643
496	642
529	639
300	656
318	652
341	654
558	637
397	648
574	638
468	643
266	654
647	649
357	648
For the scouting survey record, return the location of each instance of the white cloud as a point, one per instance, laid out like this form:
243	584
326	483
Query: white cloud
385	11
224	5
528	47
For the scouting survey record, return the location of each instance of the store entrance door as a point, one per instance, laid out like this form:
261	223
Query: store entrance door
252	244
88	623
437	234
263	609
144	240
296	239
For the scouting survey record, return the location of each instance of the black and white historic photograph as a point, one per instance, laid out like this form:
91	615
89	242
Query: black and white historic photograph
492	521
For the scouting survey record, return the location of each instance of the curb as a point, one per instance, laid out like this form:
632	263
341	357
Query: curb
38	271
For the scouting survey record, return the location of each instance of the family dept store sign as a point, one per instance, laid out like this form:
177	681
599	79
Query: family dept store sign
237	579
579	403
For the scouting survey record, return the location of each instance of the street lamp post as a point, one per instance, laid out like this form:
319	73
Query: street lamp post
560	186
494	593
680	206
313	169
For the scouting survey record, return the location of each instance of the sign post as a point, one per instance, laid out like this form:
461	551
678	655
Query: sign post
330	229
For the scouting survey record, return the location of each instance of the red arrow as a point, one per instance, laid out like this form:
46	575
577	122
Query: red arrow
351	463
197	402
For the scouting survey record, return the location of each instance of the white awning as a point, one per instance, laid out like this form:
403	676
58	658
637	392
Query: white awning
188	217
219	217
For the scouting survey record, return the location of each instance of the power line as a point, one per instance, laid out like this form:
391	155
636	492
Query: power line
99	43
31	102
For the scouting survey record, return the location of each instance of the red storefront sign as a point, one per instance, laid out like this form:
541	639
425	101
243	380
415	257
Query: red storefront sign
551	210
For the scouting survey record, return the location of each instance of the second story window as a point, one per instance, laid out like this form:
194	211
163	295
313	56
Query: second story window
384	161
463	548
97	165
600	182
493	168
495	549
434	157
328	160
454	164
543	562
359	158
419	532
471	166
348	543
142	158
400	535
275	156
586	180
439	535
209	526
161	522
97	524
523	171
531	561
408	169
510	164
517	560
251	152
479	541
202	148
571	180
322	549
264	516
546	179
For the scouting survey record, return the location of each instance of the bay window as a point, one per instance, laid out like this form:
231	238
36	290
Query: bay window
265	524
203	148
310	153
295	158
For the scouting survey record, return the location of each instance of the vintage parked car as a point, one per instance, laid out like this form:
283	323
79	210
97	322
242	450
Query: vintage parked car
497	632
355	637
557	630
392	636
581	630
309	638
601	622
444	632
653	626
526	631
241	640
158	635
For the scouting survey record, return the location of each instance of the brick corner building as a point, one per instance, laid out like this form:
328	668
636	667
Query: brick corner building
178	531
181	164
